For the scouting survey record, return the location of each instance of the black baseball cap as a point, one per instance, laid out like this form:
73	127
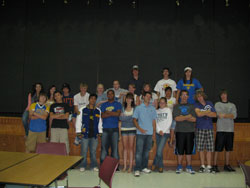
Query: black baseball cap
66	85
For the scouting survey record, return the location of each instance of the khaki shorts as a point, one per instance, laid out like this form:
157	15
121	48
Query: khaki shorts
33	139
60	135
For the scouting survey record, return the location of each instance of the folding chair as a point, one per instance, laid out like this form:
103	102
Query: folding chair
106	172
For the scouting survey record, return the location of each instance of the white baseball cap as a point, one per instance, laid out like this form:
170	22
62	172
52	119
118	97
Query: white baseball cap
187	68
135	67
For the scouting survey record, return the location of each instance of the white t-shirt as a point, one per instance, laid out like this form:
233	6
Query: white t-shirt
162	84
81	101
163	120
171	102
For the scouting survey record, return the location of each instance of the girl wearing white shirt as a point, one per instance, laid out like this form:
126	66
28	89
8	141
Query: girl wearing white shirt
163	124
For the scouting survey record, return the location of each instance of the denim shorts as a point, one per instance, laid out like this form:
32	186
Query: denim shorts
128	133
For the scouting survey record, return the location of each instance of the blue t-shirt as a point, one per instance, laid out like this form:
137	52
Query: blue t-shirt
191	88
38	125
145	116
111	122
204	122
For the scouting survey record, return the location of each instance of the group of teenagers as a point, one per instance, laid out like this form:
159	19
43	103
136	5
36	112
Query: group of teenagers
179	114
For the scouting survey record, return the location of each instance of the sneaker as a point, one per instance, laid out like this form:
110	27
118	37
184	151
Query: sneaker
202	169
146	170
137	173
82	169
160	170
228	168
178	169
190	170
96	169
77	141
215	169
209	169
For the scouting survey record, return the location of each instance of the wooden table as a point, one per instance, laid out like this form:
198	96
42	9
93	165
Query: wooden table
9	159
40	170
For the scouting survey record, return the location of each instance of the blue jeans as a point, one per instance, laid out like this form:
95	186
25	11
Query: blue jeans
25	120
143	146
160	143
110	138
91	144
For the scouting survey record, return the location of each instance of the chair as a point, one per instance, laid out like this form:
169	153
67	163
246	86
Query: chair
246	171
107	171
51	148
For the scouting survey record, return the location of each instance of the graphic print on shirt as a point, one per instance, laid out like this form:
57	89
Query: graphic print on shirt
206	108
184	110
161	117
188	86
40	109
68	101
165	86
110	108
59	110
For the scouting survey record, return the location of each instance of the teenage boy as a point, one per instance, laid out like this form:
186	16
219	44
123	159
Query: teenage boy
136	80
88	126
144	118
226	113
82	98
185	118
164	83
110	115
38	114
205	111
119	92
68	98
59	114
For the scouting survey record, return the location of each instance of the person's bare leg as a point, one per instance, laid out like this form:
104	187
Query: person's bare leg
215	158
125	151
202	158
189	159
209	158
227	157
179	158
131	152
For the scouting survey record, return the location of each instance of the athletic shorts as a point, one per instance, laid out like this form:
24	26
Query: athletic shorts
204	139
224	140
184	143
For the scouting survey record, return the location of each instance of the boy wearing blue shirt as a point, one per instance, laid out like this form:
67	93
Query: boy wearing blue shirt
88	126
205	111
110	114
144	119
38	114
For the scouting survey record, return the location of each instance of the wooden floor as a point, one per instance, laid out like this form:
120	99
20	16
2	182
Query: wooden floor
12	139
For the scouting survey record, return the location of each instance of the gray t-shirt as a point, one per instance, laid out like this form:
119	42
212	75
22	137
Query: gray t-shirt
184	109
225	124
